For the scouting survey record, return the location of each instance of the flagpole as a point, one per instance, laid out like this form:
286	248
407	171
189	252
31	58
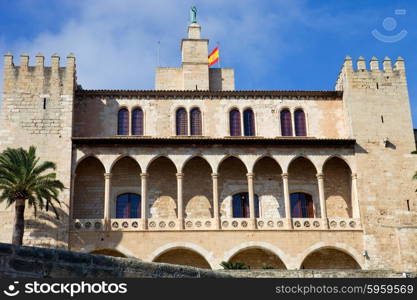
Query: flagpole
218	45
158	54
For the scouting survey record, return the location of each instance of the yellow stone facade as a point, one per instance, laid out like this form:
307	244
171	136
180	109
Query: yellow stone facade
354	162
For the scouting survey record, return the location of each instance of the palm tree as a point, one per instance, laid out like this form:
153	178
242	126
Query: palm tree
23	179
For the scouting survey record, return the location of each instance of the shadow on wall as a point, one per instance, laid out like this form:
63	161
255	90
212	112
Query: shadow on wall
45	230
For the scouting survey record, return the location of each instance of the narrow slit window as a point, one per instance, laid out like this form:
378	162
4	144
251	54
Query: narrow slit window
248	123
123	122
137	122
234	119
181	122
286	126
195	122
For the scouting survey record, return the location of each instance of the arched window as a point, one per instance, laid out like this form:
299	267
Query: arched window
137	122
300	123
286	126
128	206
241	205
195	122
123	122
248	123
301	205
234	119
181	120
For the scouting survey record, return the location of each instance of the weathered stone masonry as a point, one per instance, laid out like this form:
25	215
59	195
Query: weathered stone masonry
353	166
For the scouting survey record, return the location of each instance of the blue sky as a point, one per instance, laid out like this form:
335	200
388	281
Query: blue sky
277	44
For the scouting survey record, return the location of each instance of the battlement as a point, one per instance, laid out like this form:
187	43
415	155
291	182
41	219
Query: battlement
388	73
39	78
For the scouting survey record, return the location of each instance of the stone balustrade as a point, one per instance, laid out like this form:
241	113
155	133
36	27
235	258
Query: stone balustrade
209	224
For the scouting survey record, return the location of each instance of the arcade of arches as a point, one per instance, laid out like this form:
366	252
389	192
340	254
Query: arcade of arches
201	191
190	194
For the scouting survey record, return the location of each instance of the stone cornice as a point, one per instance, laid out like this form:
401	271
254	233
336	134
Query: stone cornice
188	94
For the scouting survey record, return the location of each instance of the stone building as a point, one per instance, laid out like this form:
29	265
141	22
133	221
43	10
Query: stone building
196	172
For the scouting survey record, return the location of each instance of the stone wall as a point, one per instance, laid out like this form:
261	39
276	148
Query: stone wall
97	116
31	262
37	109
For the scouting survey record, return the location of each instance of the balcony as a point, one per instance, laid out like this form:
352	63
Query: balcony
225	224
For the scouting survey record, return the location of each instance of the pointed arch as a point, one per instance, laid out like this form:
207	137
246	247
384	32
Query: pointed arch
88	199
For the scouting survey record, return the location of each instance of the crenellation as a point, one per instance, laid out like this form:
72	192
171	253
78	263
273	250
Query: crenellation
387	64
374	64
361	64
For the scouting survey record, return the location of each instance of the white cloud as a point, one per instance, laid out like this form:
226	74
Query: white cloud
115	42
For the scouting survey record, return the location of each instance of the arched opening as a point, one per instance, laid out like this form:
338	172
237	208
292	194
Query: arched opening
137	122
125	180
302	181
268	186
240	205
248	122
123	122
185	257
198	191
301	205
128	206
286	123
329	258
162	188
300	123
338	188
232	180
108	252
195	122
88	200
258	258
234	123
181	122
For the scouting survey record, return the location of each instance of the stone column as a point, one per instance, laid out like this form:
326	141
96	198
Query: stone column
180	210
287	201
216	213
144	199
355	199
323	209
107	204
251	199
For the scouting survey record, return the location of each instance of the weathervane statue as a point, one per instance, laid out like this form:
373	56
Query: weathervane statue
193	14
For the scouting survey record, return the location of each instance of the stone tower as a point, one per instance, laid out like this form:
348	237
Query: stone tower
194	73
378	113
37	110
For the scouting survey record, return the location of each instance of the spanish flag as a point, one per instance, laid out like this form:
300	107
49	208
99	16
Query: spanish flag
213	57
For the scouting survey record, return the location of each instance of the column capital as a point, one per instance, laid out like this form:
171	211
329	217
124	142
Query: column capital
144	175
107	175
354	176
284	175
250	175
214	175
320	175
179	175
